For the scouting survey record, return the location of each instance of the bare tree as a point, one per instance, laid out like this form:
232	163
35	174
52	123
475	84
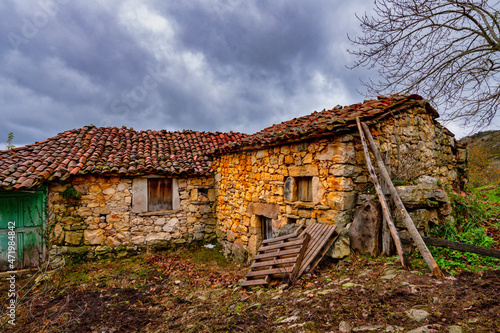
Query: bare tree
445	50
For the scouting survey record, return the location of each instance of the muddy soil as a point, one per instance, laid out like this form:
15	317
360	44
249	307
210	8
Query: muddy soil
168	293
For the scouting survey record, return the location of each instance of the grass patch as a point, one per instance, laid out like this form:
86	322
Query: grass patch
102	272
475	219
214	255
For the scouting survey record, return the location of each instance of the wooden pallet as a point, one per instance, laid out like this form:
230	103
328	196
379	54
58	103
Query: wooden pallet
277	257
291	255
322	237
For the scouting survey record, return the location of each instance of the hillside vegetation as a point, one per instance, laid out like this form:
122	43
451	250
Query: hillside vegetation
483	157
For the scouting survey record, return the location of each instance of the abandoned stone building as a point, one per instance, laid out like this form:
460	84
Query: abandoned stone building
94	190
312	169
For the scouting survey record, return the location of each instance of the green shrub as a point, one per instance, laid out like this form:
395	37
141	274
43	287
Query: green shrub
470	214
71	193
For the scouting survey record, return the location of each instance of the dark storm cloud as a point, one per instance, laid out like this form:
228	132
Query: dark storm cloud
266	36
203	65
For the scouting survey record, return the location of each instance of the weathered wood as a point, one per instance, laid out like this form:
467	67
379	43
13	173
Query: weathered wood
387	243
462	247
280	245
159	194
323	251
364	232
279	257
315	230
410	226
383	202
274	254
276	259
256	282
320	235
275	239
270	271
274	262
300	257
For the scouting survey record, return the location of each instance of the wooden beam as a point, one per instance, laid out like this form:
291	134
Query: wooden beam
276	254
410	226
385	208
387	243
462	247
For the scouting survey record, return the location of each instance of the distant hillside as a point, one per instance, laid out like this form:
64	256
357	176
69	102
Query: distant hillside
484	157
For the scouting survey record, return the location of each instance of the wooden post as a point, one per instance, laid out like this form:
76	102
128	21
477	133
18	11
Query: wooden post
385	208
387	244
462	247
410	226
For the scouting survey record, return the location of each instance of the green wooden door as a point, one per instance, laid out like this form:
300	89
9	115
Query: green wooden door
22	216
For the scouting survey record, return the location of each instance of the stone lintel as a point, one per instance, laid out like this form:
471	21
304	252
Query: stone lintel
268	210
303	171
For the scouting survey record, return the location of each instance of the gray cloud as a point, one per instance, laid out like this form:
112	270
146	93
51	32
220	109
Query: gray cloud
204	65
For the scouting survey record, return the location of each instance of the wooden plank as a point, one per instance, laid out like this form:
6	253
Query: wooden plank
159	194
300	257
310	229
281	245
462	247
316	236
325	232
277	239
279	270
274	262
322	253
276	254
387	243
256	282
267	227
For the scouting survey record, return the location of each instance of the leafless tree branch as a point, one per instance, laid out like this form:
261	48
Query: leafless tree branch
445	50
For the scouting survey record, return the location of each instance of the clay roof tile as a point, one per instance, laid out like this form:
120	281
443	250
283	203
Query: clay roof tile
109	150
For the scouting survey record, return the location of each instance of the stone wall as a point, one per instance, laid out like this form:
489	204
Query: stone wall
255	185
102	219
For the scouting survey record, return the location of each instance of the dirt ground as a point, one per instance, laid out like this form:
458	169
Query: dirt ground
172	292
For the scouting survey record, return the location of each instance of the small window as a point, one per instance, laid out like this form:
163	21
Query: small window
304	189
203	194
159	194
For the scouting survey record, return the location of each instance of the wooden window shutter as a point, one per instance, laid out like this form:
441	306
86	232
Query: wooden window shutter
304	188
159	194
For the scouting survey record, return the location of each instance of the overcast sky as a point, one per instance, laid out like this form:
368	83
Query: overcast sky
201	64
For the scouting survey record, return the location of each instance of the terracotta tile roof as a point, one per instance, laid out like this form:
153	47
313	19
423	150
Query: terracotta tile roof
110	150
326	122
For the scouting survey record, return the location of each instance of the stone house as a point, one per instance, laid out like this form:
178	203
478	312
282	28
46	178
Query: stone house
312	169
94	190
108	189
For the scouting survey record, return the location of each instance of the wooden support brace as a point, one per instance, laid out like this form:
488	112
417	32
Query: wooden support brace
385	208
410	226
